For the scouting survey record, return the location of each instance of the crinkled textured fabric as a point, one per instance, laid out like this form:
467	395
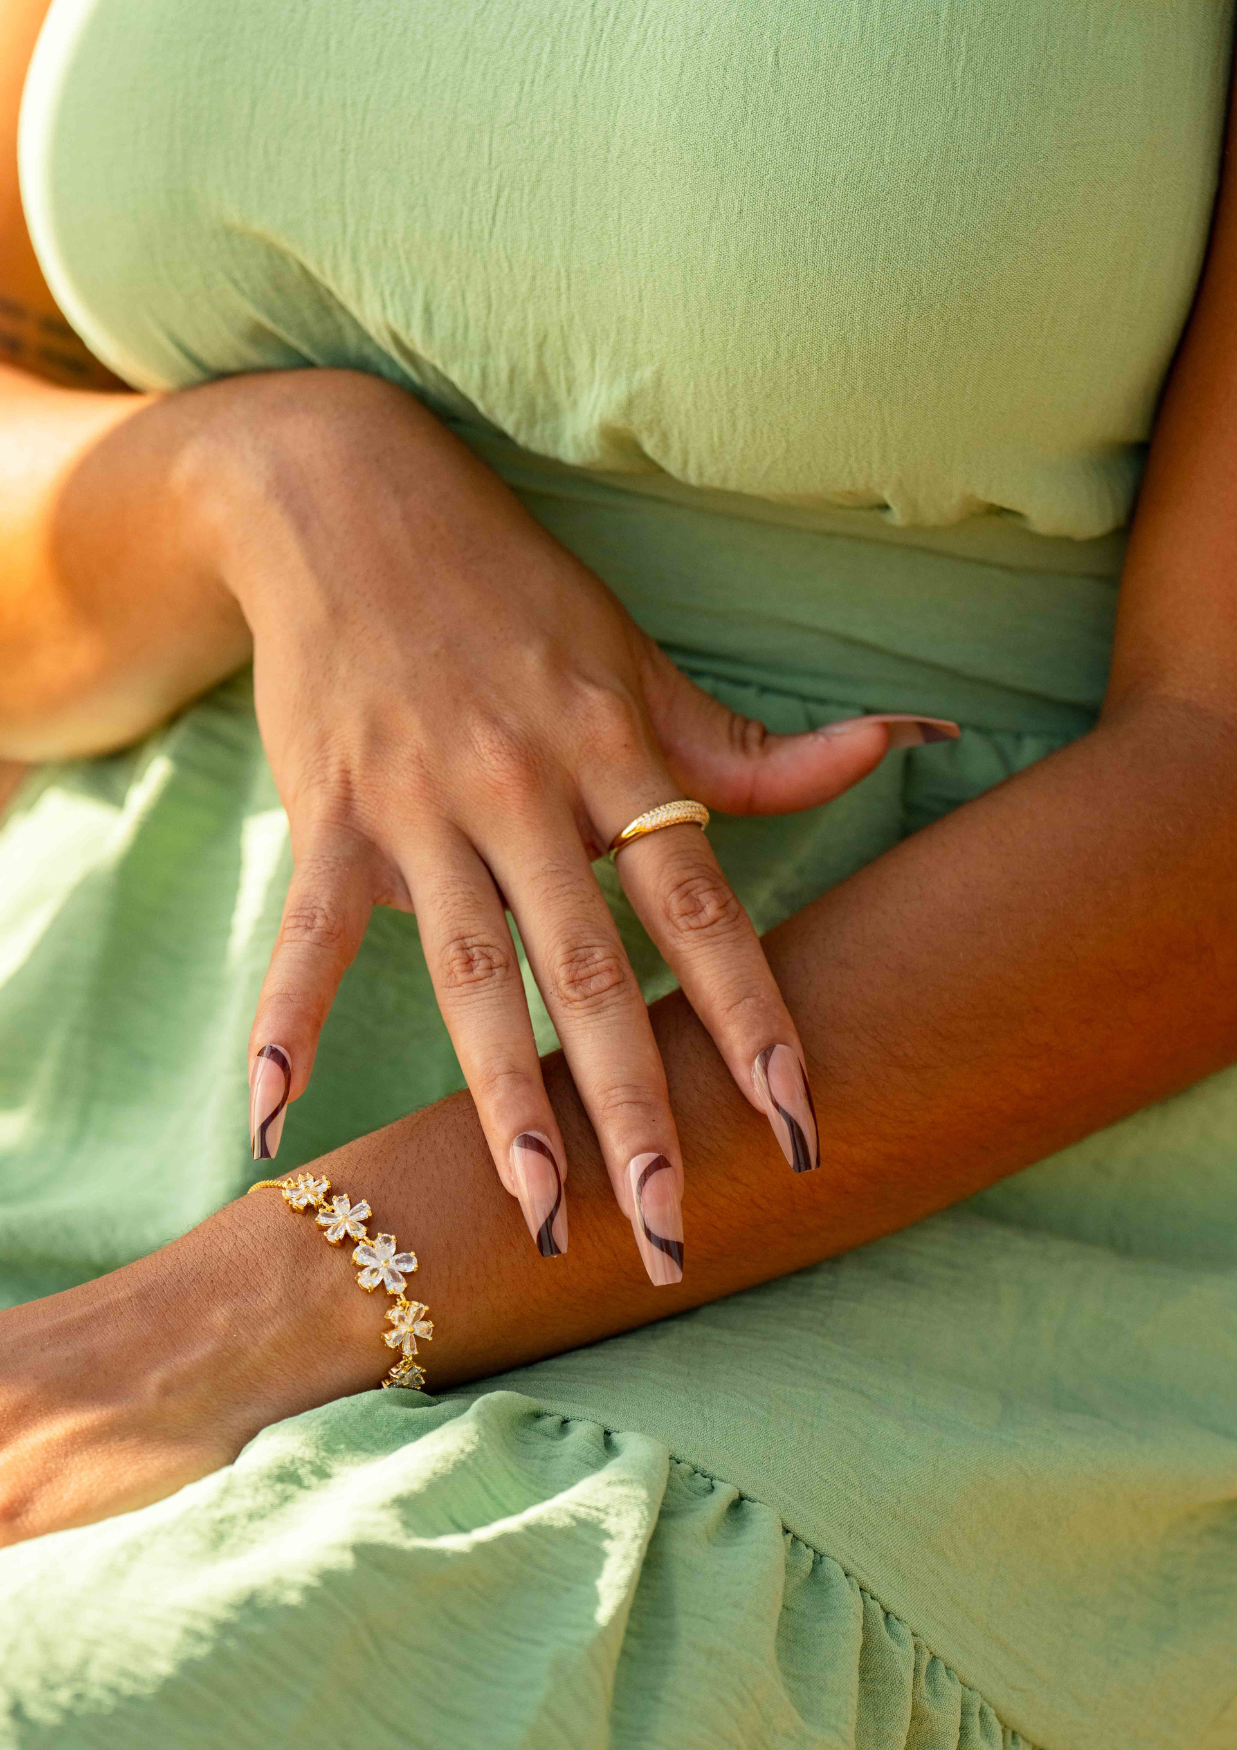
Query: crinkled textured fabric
630	1600
970	1486
973	1482
927	256
366	1540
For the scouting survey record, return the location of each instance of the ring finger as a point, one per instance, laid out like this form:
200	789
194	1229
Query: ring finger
684	901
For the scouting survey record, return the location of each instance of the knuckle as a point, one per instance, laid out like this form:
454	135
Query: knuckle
499	1085
588	973
293	1012
316	923
750	1014
285	1008
631	1107
556	890
699	898
504	758
612	721
473	962
747	735
329	838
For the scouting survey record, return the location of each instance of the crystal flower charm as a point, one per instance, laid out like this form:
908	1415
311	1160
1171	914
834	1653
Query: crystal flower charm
406	1372
382	1263
377	1262
344	1220
408	1318
304	1190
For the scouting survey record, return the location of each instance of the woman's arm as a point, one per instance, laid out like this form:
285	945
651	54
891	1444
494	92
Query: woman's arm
109	620
451	703
1049	957
34	336
1053	955
1044	960
105	627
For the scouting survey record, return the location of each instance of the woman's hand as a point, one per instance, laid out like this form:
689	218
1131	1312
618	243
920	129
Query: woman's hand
459	717
458	714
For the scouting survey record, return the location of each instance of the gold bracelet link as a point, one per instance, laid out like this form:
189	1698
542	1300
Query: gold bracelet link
378	1262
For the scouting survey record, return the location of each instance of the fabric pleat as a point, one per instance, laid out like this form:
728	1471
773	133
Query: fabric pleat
409	1575
829	336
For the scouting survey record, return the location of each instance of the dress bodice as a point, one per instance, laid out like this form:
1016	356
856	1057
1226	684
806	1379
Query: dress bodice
927	257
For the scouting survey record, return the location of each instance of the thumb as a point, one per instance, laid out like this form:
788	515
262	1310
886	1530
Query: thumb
733	763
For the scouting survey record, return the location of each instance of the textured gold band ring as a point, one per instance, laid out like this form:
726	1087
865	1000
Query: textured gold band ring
653	819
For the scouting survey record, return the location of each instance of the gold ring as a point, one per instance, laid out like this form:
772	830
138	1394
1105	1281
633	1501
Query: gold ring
653	819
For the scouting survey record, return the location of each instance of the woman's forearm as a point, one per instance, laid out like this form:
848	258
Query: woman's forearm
1053	955
1047	959
1050	957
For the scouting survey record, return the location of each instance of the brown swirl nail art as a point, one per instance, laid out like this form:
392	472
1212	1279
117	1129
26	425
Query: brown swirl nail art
657	1217
782	1084
271	1083
539	1187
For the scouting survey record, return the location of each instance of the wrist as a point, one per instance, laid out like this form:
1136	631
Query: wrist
242	1321
284	1328
269	456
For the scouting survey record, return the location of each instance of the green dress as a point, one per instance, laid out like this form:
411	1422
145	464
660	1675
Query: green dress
830	336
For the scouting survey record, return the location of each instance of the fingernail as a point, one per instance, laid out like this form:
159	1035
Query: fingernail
782	1084
270	1083
657	1218
539	1187
905	729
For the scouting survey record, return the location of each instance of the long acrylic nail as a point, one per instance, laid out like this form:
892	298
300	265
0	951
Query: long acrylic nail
657	1217
270	1083
905	728
539	1187
782	1085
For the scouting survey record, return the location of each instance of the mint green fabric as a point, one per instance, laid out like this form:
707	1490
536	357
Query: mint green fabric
464	1575
758	267
971	1486
933	257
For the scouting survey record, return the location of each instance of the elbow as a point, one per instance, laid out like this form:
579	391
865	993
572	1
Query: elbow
64	700
76	689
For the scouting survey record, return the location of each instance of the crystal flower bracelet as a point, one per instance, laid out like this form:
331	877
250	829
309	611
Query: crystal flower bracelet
379	1263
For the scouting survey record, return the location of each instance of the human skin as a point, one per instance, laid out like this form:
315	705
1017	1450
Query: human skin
33	334
459	717
452	704
1051	956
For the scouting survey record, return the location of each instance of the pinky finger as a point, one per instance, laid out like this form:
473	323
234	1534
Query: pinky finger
324	919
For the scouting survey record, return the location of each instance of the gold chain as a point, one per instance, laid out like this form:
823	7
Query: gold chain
378	1262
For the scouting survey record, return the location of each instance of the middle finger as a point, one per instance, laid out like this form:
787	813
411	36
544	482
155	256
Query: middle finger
593	998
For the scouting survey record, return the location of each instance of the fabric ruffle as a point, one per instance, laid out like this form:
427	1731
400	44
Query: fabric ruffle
408	1575
1010	1424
